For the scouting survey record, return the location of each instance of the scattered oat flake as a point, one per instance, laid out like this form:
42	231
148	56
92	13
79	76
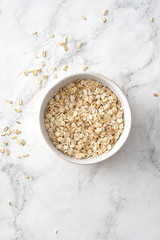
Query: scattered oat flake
17	110
155	94
6	128
54	69
84	68
34	33
55	76
103	20
64	44
39	70
42	63
18	122
5	143
56	231
20	102
2	150
34	72
14	131
27	177
52	36
43	53
7	152
8	132
65	48
105	12
21	142
152	19
25	155
45	76
9	203
3	134
26	73
66	39
83	18
19	157
39	81
65	68
18	132
9	101
79	45
14	137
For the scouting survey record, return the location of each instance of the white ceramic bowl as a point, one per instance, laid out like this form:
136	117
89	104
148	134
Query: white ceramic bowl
110	84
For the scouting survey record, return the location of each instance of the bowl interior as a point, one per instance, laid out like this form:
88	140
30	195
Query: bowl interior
110	84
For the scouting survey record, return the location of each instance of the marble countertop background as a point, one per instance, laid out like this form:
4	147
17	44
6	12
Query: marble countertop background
118	199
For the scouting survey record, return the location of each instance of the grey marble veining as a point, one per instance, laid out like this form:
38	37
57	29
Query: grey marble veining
118	199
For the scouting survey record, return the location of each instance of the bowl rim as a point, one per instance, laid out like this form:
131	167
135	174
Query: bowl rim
125	133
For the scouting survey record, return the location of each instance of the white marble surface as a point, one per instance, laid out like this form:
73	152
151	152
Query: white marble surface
118	199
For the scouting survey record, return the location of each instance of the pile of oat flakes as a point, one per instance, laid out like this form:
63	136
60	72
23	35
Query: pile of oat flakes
84	119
